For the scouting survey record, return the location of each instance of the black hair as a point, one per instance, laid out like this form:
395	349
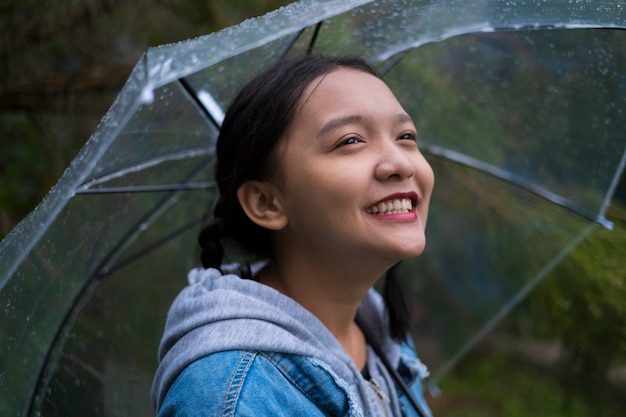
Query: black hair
247	149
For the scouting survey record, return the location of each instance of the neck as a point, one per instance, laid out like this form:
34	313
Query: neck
330	293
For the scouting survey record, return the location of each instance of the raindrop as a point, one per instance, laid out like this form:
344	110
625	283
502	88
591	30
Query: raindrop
147	95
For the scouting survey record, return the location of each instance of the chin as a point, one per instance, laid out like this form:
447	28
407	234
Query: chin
414	246
410	251
413	254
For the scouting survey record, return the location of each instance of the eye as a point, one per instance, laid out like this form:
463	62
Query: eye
408	136
351	140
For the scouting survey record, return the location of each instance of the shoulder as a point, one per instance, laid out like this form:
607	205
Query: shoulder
231	383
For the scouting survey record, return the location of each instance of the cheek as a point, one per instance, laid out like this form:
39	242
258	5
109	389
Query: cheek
321	196
426	176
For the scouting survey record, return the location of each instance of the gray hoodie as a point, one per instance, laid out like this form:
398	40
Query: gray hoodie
218	313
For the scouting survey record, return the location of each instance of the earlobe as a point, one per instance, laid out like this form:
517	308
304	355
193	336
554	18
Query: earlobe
260	203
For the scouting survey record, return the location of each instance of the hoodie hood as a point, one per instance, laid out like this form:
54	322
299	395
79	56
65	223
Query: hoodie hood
217	313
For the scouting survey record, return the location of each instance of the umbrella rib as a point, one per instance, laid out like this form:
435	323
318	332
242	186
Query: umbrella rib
291	44
53	351
393	61
154	245
187	154
616	179
516	180
314	38
215	119
149	188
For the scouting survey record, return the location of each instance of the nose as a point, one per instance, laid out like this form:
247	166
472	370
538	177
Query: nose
394	162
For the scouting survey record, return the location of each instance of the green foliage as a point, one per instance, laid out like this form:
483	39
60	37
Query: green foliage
501	385
35	151
24	168
20	162
583	305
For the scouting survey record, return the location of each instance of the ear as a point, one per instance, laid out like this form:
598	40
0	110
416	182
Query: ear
261	204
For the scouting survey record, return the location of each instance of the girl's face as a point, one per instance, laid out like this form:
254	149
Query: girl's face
353	184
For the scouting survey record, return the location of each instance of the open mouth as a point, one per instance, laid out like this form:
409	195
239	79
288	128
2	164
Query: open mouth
391	206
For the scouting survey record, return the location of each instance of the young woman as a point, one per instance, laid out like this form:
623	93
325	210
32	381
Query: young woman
321	182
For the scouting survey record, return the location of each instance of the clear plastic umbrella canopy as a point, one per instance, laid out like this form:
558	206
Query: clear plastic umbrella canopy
520	107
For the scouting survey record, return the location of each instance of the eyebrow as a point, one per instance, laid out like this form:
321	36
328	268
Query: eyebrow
338	122
342	121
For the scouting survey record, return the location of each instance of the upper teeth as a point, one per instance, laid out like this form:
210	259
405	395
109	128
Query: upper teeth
395	206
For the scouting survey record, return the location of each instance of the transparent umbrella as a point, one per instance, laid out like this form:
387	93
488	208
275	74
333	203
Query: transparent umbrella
520	107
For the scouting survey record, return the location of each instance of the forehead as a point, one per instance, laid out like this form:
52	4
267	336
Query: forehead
344	90
343	79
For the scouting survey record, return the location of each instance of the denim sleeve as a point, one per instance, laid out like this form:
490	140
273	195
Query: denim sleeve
234	383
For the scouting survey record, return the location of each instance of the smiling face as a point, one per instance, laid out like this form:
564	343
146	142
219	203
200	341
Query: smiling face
352	183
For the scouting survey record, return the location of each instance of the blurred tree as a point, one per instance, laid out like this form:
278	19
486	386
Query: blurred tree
62	65
583	306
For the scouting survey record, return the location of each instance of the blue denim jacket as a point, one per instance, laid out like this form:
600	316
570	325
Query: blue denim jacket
244	383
